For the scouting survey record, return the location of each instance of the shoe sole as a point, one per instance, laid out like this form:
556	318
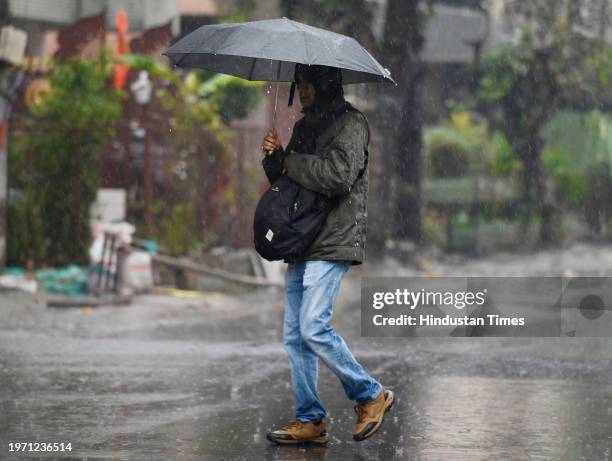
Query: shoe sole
388	404
321	440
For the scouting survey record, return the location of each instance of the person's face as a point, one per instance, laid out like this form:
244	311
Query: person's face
307	93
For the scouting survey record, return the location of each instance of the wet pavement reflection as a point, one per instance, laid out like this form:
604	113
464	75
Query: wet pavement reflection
206	378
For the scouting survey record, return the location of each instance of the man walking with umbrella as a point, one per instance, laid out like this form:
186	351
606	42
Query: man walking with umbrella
319	62
336	136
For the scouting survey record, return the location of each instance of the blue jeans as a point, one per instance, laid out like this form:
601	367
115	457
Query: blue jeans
311	288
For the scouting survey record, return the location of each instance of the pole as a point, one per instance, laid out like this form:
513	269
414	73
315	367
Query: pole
238	238
8	86
3	180
148	178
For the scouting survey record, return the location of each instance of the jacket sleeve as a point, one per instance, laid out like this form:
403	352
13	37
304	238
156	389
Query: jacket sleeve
336	172
273	163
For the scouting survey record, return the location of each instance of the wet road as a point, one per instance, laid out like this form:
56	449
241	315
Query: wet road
204	378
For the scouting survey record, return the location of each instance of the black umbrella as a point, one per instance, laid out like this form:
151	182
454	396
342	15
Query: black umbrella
268	50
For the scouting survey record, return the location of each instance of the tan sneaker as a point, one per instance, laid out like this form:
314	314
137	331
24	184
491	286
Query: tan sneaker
299	432
370	415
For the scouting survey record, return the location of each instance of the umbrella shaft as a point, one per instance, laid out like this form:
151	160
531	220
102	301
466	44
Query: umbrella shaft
274	113
275	104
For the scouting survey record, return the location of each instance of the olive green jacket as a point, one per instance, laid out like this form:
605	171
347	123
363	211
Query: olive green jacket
341	154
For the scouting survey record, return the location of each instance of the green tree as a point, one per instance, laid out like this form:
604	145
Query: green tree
234	97
578	155
53	165
464	145
554	66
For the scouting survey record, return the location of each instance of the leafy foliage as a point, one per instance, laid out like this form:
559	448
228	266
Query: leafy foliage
53	165
464	146
522	87
177	227
155	68
234	97
578	148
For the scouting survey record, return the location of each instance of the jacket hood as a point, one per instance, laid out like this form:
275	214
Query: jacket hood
327	82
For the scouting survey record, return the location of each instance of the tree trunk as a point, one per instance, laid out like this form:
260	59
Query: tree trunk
402	45
536	195
407	209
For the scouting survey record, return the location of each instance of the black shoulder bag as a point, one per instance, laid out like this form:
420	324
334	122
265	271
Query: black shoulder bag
288	217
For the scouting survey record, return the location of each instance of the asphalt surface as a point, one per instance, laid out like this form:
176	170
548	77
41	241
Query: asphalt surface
204	378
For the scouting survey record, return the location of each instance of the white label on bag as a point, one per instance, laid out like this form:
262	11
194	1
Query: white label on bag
269	235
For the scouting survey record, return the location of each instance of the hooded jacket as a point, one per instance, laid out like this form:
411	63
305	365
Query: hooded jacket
326	153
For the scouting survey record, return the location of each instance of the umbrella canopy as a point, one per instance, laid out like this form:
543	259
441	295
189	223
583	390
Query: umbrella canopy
268	50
